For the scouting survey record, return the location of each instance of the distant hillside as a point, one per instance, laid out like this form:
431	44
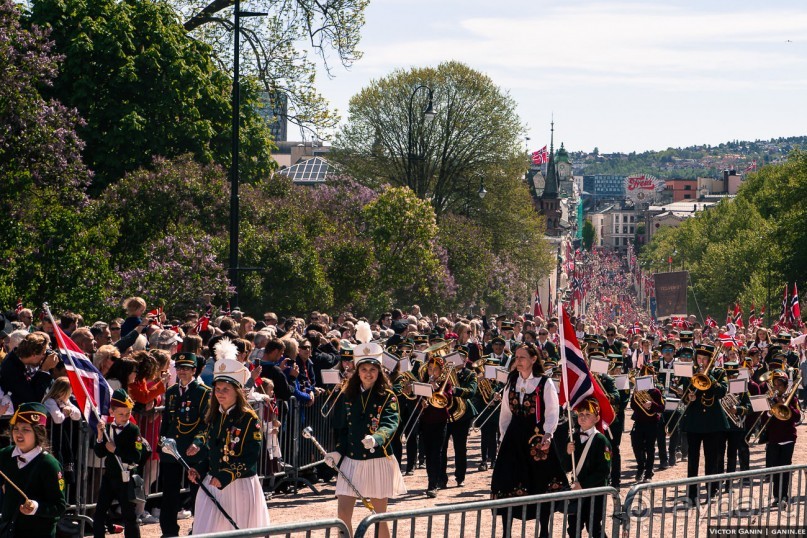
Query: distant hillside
690	162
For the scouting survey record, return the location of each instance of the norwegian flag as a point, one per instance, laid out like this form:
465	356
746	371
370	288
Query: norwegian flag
226	312
204	321
761	318
680	322
19	307
636	328
727	340
784	317
576	383
710	322
541	156
90	389
738	315
537	307
795	308
752	318
729	316
751	167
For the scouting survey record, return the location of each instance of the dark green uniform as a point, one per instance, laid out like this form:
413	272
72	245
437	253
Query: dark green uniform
705	423
183	418
595	472
368	413
234	441
41	480
128	448
458	430
489	415
619	401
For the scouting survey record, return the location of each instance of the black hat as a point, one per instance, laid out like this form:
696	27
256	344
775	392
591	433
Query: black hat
497	340
685	352
666	344
420	339
731	367
596	353
615	358
346	354
705	349
501	317
399	326
507	325
782	338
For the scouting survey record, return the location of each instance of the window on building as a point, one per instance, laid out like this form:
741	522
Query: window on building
631	230
687	187
687	196
624	229
631	218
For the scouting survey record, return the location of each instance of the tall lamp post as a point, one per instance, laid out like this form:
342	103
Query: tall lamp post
429	114
236	120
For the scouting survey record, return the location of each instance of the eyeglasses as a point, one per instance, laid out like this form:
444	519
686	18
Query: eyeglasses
114	328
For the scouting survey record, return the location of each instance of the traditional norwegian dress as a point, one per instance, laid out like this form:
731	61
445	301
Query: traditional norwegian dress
522	468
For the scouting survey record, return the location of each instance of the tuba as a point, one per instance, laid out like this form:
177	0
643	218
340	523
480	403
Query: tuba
729	403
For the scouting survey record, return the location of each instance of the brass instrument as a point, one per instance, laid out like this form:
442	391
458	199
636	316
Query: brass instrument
338	390
642	397
439	399
483	384
779	411
729	404
700	381
406	379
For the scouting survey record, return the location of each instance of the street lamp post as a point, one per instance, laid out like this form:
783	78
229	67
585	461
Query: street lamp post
482	192
236	122
428	113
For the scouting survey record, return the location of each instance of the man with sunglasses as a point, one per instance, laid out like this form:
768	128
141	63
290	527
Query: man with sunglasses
611	344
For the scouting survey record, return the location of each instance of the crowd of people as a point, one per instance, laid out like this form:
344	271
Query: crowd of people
406	386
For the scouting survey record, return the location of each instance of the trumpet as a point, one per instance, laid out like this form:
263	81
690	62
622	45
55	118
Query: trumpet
338	390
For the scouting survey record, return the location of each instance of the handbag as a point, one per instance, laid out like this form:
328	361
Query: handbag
135	489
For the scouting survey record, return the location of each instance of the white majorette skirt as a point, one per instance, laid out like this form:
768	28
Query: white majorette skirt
375	478
243	500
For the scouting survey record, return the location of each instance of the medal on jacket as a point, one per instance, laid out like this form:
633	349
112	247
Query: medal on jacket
374	426
226	450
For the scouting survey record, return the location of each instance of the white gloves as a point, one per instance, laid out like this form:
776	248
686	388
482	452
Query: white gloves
332	459
369	442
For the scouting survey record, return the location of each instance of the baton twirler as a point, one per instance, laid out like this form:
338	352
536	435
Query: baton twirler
308	433
169	446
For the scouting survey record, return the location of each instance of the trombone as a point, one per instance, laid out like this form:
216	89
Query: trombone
474	427
700	381
338	390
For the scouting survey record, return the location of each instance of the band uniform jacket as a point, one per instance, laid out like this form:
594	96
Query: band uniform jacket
41	480
705	414
234	442
596	470
184	417
368	413
128	447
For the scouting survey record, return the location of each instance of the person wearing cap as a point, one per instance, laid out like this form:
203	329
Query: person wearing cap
434	420
780	437
366	419
31	468
619	400
457	430
526	464
186	406
673	388
705	422
736	446
646	418
234	441
490	414
592	467
120	443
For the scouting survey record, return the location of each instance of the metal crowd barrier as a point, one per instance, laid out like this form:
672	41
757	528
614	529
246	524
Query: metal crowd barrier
332	527
745	499
504	517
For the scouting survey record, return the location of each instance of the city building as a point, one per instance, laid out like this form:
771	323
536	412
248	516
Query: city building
682	189
275	110
615	226
604	187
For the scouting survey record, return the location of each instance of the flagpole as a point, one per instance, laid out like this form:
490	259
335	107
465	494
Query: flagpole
75	370
566	384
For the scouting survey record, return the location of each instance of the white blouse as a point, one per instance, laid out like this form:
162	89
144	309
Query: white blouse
549	406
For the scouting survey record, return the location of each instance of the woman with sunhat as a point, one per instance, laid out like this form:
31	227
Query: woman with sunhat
366	418
37	473
233	438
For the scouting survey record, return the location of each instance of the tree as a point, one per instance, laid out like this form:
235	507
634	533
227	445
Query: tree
476	133
589	235
273	46
146	88
53	246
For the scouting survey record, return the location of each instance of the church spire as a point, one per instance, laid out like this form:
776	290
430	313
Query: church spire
551	185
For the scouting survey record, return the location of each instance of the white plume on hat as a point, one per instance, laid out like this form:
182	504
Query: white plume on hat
225	350
363	332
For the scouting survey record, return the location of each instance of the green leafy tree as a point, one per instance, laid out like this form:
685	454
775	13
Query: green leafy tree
146	88
589	235
53	246
476	131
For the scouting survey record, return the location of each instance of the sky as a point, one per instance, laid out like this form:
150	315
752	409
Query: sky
619	76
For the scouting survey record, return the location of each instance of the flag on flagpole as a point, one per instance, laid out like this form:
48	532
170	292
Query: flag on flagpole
795	308
738	315
752	316
537	307
577	382
19	307
541	156
90	388
204	321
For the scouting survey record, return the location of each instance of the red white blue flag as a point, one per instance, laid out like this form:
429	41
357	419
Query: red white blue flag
576	383
90	389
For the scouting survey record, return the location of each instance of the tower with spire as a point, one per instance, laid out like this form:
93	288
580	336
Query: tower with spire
549	201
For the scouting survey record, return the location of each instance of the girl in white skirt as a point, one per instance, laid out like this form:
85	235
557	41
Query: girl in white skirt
366	418
233	438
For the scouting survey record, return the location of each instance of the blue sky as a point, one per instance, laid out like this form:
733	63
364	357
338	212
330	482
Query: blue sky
621	76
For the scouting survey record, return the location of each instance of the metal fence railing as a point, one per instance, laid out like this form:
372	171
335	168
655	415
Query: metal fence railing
329	528
565	512
690	506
